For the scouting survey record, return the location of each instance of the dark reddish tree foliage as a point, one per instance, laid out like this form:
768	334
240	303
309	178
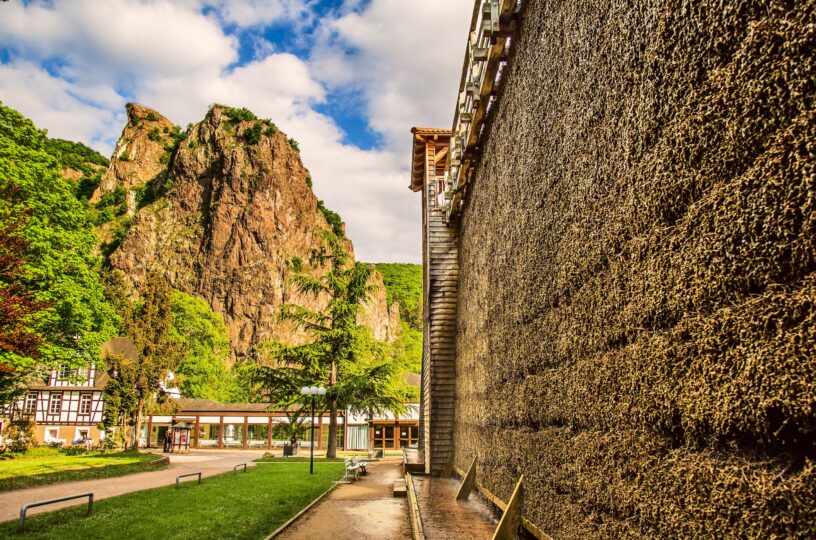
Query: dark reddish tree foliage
16	304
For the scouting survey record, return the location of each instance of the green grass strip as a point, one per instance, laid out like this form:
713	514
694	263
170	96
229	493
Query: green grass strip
226	506
296	460
27	471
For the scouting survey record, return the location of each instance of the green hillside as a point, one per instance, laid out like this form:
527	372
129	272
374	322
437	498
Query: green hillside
86	165
403	284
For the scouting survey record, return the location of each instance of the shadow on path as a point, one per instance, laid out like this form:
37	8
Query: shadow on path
364	509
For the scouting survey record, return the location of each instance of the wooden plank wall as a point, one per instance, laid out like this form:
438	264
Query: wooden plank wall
441	272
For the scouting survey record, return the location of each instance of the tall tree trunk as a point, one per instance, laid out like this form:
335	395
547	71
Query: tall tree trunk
331	447
123	430
138	427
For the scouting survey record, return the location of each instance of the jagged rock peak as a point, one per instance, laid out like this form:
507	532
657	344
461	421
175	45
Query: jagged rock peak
141	155
230	204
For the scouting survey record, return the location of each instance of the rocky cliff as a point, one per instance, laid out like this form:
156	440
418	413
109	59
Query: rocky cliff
222	211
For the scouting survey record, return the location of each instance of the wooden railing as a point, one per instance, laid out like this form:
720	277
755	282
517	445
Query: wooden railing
485	59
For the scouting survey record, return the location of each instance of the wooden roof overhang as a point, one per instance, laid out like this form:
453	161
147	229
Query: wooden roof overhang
421	135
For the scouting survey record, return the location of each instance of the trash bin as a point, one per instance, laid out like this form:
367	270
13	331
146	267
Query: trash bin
288	450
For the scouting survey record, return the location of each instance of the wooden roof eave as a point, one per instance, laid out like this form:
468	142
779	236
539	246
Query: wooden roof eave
418	163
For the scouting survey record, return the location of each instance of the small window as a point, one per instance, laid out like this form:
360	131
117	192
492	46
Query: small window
65	373
55	404
53	433
31	403
84	374
85	404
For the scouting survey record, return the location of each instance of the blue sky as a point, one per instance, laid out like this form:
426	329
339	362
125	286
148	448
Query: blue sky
346	78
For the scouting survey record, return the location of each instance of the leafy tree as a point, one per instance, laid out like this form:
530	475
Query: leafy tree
408	347
77	156
60	267
149	325
16	304
237	115
333	218
271	128
19	343
403	284
278	381
252	135
342	355
74	154
21	435
204	370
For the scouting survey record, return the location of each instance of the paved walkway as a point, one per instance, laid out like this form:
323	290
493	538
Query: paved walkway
365	509
207	461
443	517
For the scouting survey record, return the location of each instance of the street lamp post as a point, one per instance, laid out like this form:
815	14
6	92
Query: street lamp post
312	391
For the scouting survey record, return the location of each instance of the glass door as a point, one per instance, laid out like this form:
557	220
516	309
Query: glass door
389	437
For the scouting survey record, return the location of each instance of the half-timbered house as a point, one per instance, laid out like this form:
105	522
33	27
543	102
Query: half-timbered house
68	406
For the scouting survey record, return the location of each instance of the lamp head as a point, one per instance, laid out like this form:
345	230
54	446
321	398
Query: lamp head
321	391
313	390
304	391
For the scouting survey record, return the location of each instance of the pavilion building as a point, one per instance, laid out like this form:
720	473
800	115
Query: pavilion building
255	426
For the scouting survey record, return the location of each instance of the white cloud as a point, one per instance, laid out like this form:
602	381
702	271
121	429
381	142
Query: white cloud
406	57
116	39
277	86
91	114
255	13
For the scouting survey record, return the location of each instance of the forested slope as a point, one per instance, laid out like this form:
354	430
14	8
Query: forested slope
403	284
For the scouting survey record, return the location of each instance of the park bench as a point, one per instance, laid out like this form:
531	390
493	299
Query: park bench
354	466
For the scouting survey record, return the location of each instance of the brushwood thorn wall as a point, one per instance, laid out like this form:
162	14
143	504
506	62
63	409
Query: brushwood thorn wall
636	317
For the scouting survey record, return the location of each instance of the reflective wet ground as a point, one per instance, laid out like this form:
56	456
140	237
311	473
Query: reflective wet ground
443	517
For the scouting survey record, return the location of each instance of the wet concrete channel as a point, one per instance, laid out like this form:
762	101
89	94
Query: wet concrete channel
443	517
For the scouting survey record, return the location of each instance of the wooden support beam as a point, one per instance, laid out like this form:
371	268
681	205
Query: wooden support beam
221	432
511	520
246	431
468	483
441	154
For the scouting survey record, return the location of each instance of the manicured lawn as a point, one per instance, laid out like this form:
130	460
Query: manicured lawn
47	466
244	505
296	460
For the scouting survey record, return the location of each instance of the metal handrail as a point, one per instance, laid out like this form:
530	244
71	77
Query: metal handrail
235	469
186	475
25	507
